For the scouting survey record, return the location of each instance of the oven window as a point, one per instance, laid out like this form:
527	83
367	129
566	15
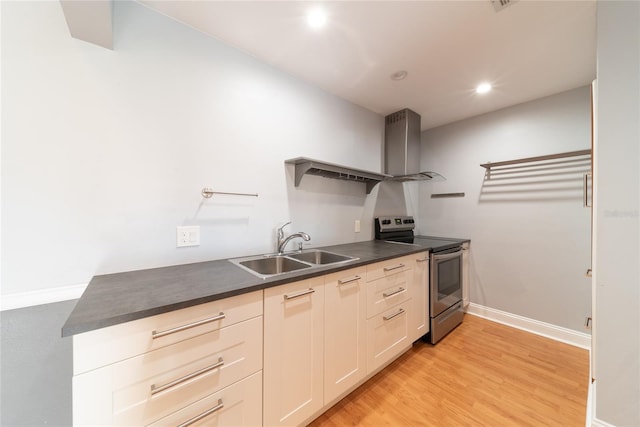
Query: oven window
448	277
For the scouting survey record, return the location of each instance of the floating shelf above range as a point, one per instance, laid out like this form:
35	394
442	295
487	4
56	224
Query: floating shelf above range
304	165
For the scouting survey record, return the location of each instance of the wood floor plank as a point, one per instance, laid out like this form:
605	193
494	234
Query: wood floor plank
482	374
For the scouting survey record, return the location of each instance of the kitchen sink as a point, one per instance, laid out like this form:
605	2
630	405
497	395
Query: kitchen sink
320	257
269	265
265	266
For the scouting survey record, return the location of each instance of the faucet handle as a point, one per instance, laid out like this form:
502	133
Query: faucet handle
280	235
280	229
285	224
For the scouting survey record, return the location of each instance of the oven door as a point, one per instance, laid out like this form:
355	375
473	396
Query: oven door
446	280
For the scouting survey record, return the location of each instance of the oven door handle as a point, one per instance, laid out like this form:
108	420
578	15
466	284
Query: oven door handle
441	257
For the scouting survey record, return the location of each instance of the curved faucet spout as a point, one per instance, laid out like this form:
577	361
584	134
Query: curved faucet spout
282	243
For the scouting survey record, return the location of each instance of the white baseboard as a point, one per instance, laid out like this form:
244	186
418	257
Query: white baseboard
558	333
590	391
592	421
599	423
42	296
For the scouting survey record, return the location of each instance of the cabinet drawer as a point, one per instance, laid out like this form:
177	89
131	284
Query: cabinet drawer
387	336
388	268
101	347
387	292
237	405
147	387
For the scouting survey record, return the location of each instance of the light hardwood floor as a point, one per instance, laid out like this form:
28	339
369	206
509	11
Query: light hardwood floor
482	374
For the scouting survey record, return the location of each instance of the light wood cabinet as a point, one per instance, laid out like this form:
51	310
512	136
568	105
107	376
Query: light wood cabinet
344	331
293	352
419	319
146	387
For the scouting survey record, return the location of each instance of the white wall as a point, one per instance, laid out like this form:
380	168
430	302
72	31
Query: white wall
617	252
530	235
105	152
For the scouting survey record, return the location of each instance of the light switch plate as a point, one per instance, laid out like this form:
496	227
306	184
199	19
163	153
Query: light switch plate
187	236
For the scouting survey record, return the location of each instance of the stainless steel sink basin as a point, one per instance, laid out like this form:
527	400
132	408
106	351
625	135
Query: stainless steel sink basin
268	266
265	266
320	257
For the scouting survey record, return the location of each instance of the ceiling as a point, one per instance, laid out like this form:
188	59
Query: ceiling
527	50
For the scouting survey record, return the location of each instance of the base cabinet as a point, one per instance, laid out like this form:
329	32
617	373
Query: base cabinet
293	352
275	357
151	386
389	310
344	332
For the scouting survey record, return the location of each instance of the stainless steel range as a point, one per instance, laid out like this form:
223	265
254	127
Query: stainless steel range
445	278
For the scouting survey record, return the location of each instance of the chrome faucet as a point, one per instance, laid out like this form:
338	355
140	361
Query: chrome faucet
282	241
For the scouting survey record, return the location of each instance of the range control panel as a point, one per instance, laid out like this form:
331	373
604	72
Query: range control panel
394	223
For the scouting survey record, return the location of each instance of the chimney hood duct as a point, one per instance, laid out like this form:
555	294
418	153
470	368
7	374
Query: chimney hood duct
402	148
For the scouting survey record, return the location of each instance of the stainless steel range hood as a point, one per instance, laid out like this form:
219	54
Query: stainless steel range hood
402	148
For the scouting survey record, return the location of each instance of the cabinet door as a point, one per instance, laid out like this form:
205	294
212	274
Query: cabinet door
420	297
293	351
344	331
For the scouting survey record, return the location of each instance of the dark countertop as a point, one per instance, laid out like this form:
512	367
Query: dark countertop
111	299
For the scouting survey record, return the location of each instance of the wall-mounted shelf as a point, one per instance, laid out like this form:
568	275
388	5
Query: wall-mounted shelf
445	195
304	165
490	165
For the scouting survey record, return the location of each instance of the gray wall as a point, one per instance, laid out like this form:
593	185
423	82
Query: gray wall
35	366
107	151
530	234
617	205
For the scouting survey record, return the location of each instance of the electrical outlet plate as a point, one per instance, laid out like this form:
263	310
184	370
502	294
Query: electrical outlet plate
187	236
357	226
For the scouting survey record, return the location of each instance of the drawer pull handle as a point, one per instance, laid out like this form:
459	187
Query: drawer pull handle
160	334
423	259
393	293
205	414
395	267
299	294
345	281
157	389
391	316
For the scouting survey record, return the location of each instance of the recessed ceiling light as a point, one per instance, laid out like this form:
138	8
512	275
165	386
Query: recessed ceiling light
399	75
316	18
483	88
